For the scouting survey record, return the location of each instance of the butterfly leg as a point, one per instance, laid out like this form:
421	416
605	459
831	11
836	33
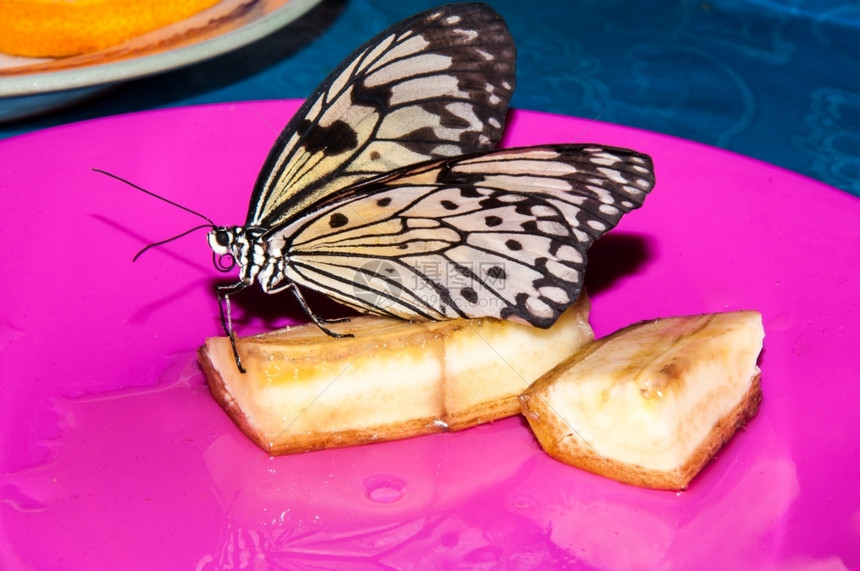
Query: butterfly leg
224	293
319	321
335	320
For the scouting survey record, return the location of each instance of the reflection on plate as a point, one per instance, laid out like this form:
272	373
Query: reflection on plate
109	438
30	86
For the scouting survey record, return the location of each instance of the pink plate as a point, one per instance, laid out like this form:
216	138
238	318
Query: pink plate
113	455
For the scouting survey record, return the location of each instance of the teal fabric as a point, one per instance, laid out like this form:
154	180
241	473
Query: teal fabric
778	80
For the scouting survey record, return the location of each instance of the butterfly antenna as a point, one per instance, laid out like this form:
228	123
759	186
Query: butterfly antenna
159	197
165	241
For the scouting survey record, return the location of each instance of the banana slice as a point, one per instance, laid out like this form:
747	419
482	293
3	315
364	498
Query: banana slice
394	379
651	404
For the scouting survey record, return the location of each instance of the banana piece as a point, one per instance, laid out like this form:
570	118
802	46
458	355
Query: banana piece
651	404
304	390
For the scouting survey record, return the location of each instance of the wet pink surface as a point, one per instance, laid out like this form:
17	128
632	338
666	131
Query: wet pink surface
113	454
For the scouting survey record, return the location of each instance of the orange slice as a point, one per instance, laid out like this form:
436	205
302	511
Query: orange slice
57	28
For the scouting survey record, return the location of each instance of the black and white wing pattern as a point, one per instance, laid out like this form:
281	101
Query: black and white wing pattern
433	86
385	192
501	234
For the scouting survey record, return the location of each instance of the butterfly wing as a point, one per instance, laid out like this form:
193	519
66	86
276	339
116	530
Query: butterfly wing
501	234
435	85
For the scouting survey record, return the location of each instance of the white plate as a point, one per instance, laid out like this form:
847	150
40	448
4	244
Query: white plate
30	86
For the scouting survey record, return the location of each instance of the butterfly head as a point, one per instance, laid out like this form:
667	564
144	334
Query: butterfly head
235	246
223	239
230	246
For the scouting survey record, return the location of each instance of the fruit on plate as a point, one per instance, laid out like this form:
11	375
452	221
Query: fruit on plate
394	379
57	28
651	404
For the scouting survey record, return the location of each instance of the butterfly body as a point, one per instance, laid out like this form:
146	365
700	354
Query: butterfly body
384	191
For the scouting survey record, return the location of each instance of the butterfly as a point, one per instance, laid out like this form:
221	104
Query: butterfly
385	191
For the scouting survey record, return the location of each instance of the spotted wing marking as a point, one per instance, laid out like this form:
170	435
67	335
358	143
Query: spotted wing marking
501	234
436	85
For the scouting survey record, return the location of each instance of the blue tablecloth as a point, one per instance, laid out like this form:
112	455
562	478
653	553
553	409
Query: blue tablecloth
776	80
